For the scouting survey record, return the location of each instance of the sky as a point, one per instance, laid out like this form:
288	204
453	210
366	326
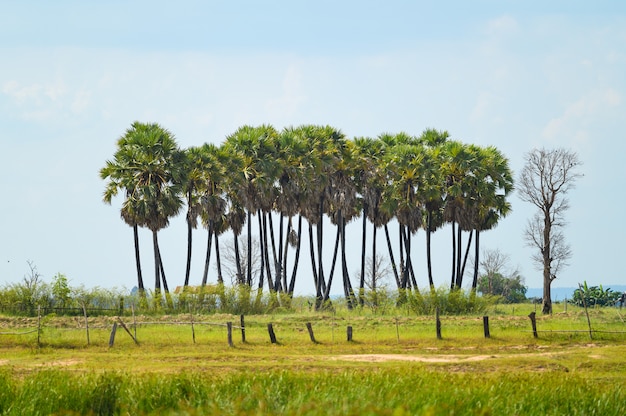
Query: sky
516	75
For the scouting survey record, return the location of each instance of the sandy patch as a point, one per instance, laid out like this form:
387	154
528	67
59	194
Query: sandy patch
63	363
377	358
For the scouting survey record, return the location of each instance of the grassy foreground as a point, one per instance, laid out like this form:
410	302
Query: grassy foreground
394	366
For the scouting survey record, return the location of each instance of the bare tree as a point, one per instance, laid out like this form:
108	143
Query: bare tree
545	180
229	259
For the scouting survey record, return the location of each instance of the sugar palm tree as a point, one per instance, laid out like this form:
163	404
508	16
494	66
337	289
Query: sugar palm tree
253	147
488	204
120	176
432	189
459	163
405	165
214	161
193	182
156	196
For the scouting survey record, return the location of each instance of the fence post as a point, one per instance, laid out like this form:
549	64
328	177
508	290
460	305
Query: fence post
349	333
438	323
309	328
533	322
86	321
229	328
243	330
270	330
112	337
134	320
193	330
397	331
586	311
39	325
486	326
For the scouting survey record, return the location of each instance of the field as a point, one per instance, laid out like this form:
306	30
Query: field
394	365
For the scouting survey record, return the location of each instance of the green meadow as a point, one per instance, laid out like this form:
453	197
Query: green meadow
394	365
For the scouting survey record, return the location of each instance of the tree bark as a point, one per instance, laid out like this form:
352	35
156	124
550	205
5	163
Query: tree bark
140	285
391	257
363	244
205	274
429	266
547	266
292	283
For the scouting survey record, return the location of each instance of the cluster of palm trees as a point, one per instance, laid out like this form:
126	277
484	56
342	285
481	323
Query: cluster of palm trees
309	173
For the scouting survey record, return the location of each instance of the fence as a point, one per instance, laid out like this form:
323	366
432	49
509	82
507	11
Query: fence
130	324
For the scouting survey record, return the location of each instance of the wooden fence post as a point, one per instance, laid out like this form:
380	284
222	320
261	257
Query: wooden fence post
533	322
309	328
349	333
134	320
243	330
586	311
270	330
193	330
112	337
229	328
438	323
86	321
486	326
397	331
38	326
127	330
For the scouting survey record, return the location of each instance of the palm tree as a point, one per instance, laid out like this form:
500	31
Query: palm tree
253	147
405	164
156	196
193	182
120	178
432	189
494	182
213	203
459	163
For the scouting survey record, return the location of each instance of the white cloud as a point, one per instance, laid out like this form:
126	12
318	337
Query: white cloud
578	115
502	25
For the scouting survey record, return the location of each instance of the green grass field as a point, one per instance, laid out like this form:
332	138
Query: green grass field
395	365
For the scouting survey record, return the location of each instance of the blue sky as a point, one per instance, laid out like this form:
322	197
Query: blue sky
516	75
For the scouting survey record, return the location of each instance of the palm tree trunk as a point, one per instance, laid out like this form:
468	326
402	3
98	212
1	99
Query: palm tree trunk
157	267
391	257
240	279
218	260
262	246
266	254
205	275
188	267
431	282
312	255
405	263
476	260
333	265
284	260
467	250
453	279
292	283
363	243
140	285
344	265
168	297
320	270
274	255
374	271
459	251
249	271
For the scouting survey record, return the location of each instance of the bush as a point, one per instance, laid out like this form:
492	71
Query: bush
593	296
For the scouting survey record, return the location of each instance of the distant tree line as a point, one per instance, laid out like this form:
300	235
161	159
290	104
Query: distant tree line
286	183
